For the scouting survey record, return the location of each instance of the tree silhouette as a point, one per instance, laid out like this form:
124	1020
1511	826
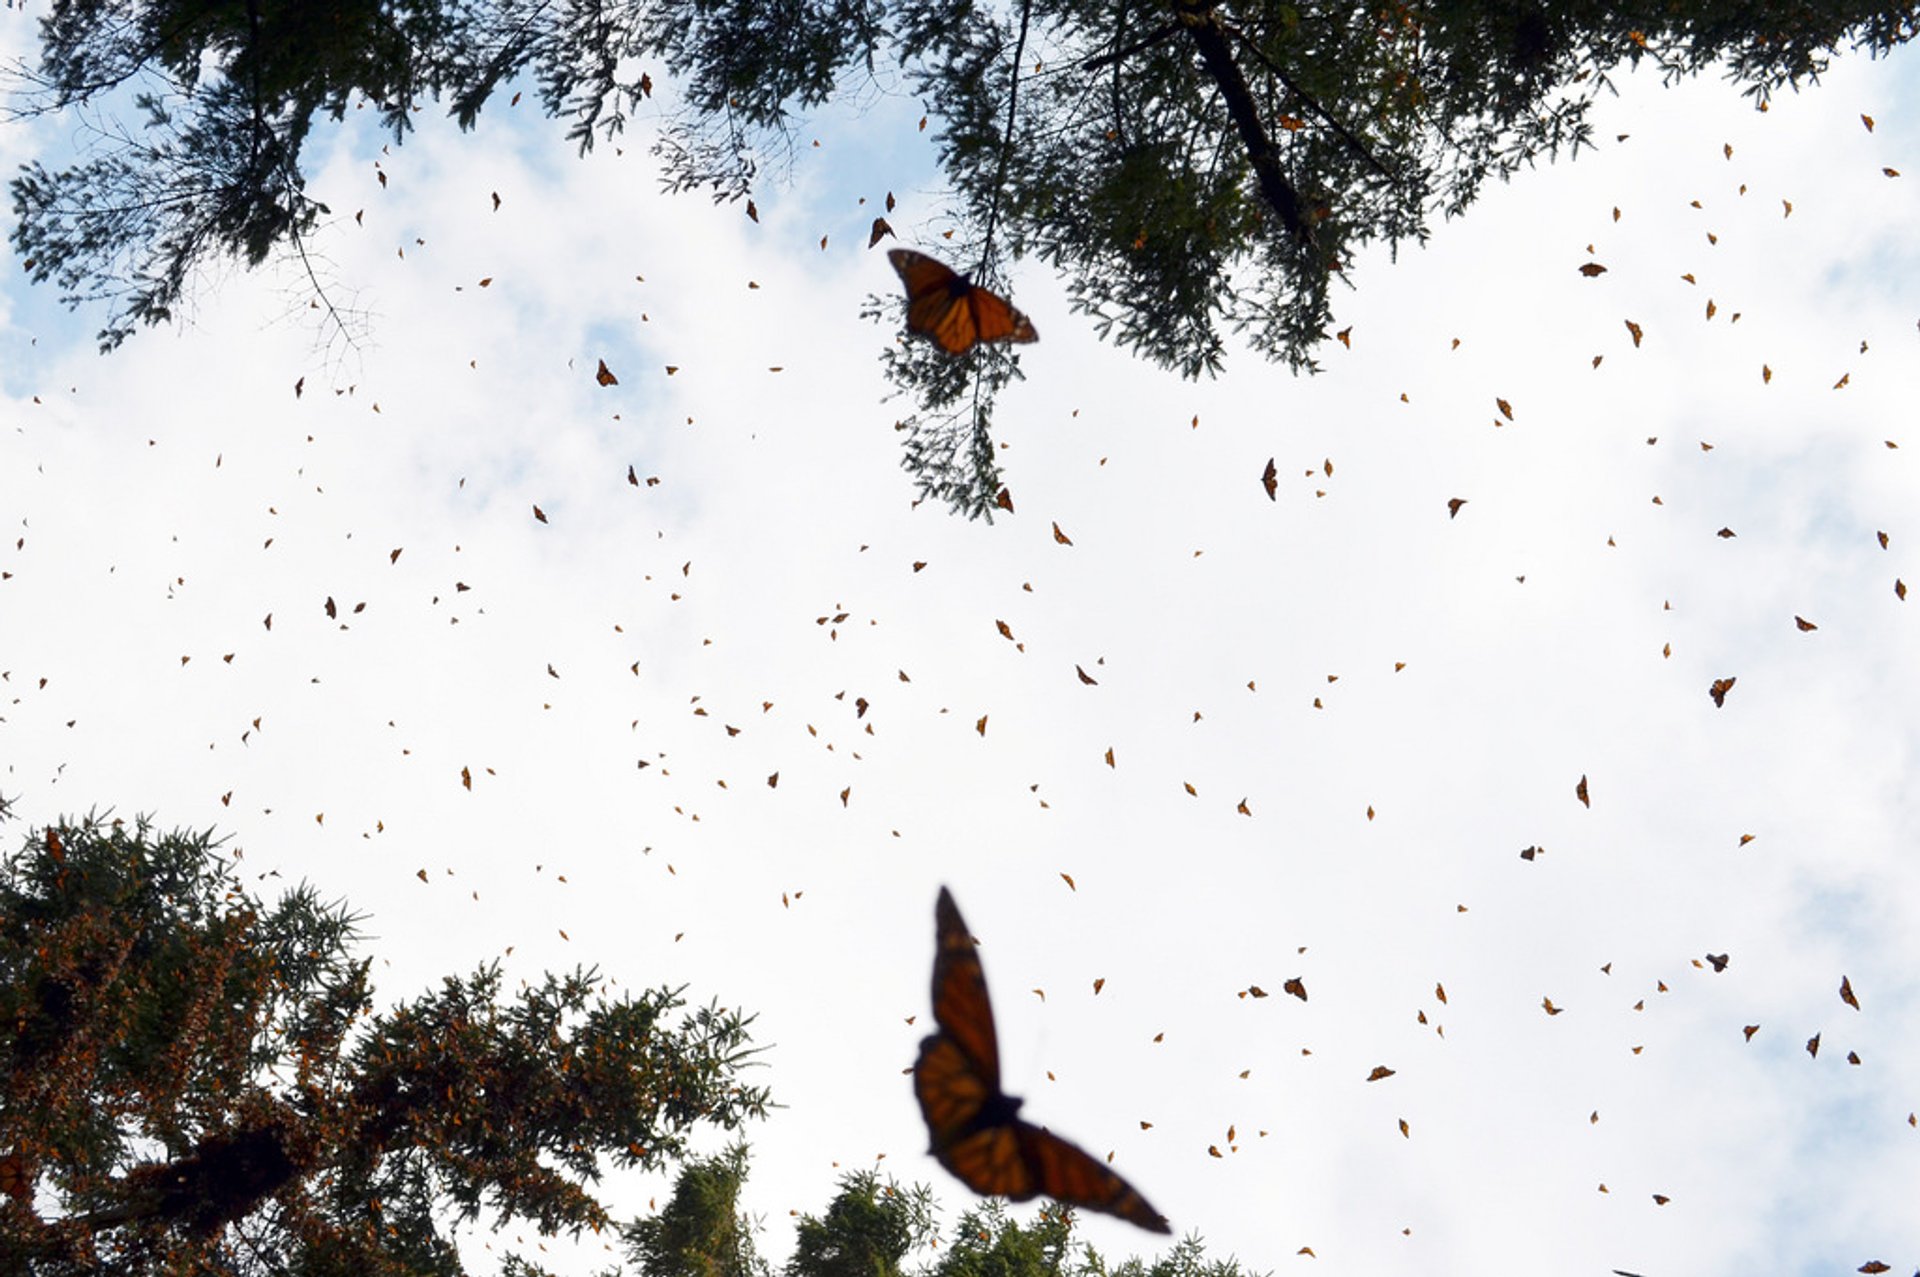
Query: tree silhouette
1190	168
866	1231
196	1081
701	1231
873	1227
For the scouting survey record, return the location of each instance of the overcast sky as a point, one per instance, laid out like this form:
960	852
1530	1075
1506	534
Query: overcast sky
168	498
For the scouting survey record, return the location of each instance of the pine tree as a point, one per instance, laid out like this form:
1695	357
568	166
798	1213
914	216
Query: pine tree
866	1231
701	1231
195	1080
1191	168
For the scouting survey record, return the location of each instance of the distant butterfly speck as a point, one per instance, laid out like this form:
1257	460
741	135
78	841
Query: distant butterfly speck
974	1126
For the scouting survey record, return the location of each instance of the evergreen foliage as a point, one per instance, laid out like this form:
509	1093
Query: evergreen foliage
701	1231
1193	169
195	1080
867	1230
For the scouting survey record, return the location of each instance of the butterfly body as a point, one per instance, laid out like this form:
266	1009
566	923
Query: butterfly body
974	1127
998	1110
951	309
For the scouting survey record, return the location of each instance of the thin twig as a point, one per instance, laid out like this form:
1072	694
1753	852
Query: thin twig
320	291
1313	102
1144	42
1006	141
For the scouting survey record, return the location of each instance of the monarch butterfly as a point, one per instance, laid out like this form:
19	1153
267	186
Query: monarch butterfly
14	1180
946	306
974	1125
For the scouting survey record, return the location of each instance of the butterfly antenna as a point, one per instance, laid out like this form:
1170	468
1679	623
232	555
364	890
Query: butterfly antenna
1006	142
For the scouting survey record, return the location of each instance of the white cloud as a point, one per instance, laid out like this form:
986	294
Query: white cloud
781	503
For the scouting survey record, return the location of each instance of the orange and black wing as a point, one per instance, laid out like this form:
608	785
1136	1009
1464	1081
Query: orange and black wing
953	1096
944	305
960	1005
991	1162
972	1124
1072	1176
995	319
970	1121
15	1180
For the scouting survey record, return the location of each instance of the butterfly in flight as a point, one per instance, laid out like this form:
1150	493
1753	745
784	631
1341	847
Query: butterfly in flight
946	306
975	1126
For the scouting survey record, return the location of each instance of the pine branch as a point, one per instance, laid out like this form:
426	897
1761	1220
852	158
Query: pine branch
1209	36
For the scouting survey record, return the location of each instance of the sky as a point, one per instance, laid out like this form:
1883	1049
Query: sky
1402	699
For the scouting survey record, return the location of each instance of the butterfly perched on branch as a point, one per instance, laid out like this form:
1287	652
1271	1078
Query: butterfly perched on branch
975	1128
948	307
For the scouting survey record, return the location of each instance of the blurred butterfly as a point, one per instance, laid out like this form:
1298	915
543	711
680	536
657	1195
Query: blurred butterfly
975	1128
948	307
14	1180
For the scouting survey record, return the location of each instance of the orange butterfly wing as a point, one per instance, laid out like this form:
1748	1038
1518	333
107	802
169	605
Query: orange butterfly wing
960	1005
15	1182
946	306
1070	1175
992	1163
974	1125
995	319
950	1090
